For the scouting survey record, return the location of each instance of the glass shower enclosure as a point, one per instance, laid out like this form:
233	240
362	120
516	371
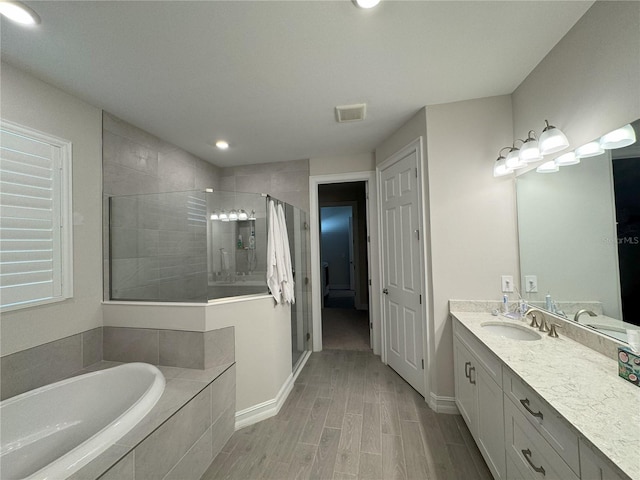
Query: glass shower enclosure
200	246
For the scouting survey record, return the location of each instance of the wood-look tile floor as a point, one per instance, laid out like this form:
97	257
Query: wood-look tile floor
351	417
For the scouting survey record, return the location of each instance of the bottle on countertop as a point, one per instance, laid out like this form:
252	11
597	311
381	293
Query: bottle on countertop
505	304
548	303
239	241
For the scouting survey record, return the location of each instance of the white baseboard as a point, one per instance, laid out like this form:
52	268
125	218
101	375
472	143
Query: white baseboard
441	404
270	408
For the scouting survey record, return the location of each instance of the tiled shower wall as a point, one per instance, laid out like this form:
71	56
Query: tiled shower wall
287	181
159	247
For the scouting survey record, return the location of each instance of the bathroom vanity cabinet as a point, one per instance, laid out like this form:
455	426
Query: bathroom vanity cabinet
518	433
478	384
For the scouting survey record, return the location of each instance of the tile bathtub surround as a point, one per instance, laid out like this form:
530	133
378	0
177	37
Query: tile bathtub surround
180	437
38	366
581	385
172	348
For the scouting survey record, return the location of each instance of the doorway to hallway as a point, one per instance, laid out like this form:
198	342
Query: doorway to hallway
344	266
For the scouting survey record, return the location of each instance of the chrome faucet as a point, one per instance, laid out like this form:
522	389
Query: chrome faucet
580	312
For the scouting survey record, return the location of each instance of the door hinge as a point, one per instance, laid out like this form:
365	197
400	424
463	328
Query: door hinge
416	173
369	238
369	282
423	363
371	326
421	299
309	338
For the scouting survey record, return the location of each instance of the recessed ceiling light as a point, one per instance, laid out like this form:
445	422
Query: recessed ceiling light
222	145
18	12
366	3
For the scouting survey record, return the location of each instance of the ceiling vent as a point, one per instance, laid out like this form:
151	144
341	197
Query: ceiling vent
351	113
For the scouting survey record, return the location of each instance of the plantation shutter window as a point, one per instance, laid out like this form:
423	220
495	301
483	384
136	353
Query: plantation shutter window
35	237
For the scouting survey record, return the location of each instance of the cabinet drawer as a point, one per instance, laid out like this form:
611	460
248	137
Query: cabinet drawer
489	361
529	455
550	425
593	466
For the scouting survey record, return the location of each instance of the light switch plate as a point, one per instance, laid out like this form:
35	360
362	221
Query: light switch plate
507	283
530	283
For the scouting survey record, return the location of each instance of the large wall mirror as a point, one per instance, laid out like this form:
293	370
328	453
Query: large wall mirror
579	233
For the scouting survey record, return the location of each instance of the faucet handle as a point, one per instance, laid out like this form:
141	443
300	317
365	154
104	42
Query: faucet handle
552	330
534	321
544	325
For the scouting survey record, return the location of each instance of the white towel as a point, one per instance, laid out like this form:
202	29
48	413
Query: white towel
288	293
274	250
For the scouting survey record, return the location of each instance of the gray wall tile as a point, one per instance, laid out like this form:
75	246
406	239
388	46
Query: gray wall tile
41	365
123	470
99	465
117	149
223	393
196	460
157	455
182	349
219	347
130	345
91	346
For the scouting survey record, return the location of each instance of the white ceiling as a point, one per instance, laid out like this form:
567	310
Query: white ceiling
266	75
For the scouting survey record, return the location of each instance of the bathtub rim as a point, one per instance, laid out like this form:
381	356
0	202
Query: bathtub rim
99	442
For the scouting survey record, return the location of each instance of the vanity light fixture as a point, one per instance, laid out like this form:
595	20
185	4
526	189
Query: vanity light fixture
18	12
529	151
252	215
500	168
223	216
552	140
222	144
548	167
214	216
242	215
622	137
366	3
566	159
590	149
233	215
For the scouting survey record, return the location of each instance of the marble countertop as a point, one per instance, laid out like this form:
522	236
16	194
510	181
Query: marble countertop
580	384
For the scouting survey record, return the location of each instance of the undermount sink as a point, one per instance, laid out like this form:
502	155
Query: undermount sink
509	330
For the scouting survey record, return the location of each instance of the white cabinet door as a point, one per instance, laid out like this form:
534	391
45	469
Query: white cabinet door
480	402
490	422
594	467
465	390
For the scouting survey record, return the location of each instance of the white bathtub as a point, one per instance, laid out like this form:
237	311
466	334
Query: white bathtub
53	431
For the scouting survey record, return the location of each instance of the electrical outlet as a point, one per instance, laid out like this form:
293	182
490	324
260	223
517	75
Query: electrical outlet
507	283
530	283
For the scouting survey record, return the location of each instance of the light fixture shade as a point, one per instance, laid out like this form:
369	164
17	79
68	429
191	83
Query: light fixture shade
366	3
233	216
252	216
500	168
529	151
622	137
513	161
552	140
19	13
566	159
548	167
214	216
223	216
242	215
590	149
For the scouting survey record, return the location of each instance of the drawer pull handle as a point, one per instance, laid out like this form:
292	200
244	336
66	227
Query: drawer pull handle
466	369
525	404
527	456
472	369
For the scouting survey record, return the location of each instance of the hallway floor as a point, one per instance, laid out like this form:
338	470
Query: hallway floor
351	417
345	329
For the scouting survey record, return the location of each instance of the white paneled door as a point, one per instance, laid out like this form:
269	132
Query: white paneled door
402	270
